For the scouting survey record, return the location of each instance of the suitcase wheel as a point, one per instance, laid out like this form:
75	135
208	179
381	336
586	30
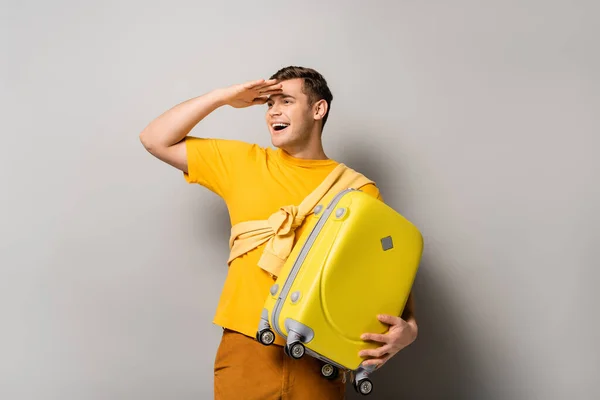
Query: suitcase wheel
295	350
329	371
363	386
266	337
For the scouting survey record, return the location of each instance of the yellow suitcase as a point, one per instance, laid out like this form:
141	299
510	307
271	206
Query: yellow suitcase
357	258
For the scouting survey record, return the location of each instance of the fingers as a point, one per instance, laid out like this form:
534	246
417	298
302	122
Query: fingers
377	362
271	89
260	100
375	337
378	352
271	93
260	83
253	84
270	82
390	319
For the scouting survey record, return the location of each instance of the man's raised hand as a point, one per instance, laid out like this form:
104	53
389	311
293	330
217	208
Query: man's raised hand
251	93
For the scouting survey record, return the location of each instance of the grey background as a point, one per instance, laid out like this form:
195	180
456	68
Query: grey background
479	120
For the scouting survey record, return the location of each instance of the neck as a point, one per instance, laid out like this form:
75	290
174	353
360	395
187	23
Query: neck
312	150
307	154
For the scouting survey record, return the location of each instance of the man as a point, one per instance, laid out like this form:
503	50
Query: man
254	182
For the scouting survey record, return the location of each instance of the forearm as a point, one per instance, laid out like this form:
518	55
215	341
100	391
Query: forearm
175	124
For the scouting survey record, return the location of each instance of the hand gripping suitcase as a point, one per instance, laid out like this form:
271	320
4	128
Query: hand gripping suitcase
356	259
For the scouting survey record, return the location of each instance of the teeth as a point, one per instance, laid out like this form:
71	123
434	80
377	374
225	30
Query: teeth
278	124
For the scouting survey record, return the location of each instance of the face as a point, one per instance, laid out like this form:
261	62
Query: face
290	118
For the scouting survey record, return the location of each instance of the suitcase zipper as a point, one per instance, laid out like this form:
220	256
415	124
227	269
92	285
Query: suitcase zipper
300	260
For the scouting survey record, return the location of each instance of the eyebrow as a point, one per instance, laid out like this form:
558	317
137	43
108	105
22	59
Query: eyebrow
282	95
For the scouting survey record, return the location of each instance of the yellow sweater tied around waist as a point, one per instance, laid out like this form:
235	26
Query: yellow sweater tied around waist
280	228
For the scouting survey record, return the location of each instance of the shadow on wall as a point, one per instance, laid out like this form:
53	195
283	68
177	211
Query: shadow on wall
437	364
213	227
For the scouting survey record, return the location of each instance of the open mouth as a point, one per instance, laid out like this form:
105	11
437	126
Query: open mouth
278	127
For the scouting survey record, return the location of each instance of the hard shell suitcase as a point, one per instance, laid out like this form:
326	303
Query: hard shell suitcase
358	258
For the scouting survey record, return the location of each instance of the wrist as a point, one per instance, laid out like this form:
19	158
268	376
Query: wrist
219	97
414	328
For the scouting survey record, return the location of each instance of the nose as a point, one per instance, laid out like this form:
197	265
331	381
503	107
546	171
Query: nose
274	110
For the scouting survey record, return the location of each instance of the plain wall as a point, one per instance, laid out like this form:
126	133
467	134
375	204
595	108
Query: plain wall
479	121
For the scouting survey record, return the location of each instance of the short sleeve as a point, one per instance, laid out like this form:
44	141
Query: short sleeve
213	163
372	190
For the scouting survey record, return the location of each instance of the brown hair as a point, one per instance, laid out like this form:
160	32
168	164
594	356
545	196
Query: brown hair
315	85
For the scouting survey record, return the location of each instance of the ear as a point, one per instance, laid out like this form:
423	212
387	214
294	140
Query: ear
319	109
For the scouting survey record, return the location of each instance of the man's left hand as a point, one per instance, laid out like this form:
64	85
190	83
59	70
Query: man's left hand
400	334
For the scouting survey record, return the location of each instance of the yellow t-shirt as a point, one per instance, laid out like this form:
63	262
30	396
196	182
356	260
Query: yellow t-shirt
254	182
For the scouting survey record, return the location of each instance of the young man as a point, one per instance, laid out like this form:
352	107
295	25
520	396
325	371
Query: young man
254	182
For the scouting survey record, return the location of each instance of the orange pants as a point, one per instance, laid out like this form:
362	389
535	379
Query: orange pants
248	370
